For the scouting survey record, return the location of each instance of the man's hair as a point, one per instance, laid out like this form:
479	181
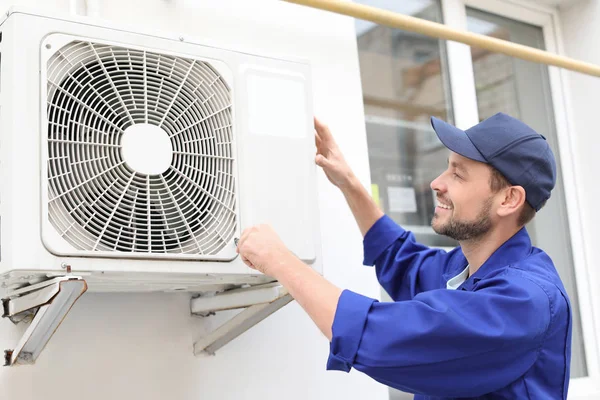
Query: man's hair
499	182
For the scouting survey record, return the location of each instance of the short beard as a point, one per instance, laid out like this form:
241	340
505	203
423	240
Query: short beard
461	230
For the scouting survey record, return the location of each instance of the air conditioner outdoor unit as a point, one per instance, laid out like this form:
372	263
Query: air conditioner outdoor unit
131	161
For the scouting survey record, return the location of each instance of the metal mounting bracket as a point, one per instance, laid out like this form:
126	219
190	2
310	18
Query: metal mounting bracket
45	304
259	302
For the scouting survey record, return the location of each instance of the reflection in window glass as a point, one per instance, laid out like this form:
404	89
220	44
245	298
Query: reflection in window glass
522	89
405	81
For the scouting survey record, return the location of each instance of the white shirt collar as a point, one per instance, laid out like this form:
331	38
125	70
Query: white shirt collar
455	282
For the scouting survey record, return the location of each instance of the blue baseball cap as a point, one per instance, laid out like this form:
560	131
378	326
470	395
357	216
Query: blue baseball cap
521	154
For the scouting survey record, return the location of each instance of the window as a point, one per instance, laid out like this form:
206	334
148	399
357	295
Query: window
406	78
405	81
522	89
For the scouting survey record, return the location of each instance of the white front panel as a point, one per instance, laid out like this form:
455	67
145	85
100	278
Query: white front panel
277	169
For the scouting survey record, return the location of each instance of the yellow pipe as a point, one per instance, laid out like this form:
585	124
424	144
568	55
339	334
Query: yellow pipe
441	31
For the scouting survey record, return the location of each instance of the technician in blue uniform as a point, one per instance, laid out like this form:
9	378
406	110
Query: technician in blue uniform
489	319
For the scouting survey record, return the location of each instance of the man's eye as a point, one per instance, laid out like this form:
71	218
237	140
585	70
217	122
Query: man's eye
456	175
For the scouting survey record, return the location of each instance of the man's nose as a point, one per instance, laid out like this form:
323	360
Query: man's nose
438	184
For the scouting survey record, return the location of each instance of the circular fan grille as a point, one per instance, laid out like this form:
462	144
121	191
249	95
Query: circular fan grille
98	200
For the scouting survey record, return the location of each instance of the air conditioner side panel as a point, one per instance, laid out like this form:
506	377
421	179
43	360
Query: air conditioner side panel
20	149
5	109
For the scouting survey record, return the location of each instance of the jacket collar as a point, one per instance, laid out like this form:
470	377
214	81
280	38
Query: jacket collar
514	249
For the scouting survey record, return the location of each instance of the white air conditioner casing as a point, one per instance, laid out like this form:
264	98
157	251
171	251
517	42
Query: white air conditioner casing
89	180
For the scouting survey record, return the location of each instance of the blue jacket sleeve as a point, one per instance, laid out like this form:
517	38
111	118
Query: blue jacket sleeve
404	267
450	343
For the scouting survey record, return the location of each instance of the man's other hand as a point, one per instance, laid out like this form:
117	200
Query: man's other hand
262	249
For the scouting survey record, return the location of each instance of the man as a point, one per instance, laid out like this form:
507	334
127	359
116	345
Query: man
489	319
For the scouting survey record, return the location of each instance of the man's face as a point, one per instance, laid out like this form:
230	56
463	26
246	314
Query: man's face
465	200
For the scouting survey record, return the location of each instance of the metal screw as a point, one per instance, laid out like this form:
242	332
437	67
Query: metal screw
7	357
181	38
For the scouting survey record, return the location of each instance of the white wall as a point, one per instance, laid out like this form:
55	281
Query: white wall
140	346
580	25
581	30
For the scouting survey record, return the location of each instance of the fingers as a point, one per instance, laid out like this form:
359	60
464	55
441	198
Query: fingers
322	131
245	234
247	262
321	161
244	237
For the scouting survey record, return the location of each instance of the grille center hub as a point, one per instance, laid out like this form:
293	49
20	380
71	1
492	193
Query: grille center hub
147	149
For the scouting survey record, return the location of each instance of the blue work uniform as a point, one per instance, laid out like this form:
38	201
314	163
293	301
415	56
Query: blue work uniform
504	333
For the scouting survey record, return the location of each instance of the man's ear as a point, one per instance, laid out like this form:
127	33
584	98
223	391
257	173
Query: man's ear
513	200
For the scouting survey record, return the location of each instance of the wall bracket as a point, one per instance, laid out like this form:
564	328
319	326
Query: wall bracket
258	303
45	304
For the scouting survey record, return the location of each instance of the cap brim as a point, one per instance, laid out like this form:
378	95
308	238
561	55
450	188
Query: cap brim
456	140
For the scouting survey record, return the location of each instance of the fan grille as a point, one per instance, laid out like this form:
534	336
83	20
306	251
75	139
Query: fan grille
96	200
